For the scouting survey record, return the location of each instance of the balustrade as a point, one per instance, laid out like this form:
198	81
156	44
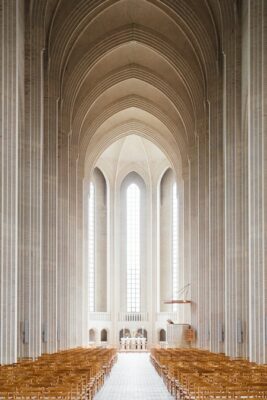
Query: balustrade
135	317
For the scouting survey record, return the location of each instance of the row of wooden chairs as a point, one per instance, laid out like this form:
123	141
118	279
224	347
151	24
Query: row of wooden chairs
67	375
194	374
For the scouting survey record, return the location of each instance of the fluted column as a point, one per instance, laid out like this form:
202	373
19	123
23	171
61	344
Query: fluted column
11	118
50	213
81	270
30	193
203	284
62	239
101	242
166	276
77	273
72	237
235	158
183	272
186	229
216	214
257	177
154	300
193	229
72	254
113	261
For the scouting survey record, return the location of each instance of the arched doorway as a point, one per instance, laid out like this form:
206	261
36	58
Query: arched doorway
125	332
92	336
162	335
141	332
104	335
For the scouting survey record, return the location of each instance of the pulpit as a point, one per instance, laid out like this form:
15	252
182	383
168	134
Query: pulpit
177	335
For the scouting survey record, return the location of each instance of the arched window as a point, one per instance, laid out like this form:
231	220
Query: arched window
91	248
92	335
133	248
162	335
175	239
104	335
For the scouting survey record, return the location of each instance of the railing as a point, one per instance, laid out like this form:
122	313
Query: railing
99	316
138	317
163	316
133	316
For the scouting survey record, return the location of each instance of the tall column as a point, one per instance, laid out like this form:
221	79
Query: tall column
216	215
50	187
30	193
85	315
81	270
186	229
193	229
257	177
166	188
72	237
100	242
183	272
203	284
155	264
62	240
11	117
235	159
114	270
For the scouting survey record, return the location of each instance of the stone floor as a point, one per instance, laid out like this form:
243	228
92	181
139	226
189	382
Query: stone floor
133	378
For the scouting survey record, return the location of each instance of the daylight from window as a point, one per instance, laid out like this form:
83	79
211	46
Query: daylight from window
133	248
174	244
91	248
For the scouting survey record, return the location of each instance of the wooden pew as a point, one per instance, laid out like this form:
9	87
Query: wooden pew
202	375
71	374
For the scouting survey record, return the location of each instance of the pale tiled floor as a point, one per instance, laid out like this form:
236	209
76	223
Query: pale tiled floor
133	378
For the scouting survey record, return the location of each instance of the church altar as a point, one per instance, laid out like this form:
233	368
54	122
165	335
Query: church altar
133	343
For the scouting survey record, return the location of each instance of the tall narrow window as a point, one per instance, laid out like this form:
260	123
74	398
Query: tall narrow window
91	248
133	248
174	244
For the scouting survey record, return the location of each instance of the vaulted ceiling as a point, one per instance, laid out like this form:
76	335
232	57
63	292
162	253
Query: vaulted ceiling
142	66
133	153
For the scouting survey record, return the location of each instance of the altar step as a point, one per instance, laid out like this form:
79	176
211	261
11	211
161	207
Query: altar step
133	351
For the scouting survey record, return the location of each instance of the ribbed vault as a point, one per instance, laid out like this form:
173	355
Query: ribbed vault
110	133
106	57
132	153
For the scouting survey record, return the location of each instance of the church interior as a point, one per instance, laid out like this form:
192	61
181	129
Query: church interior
133	176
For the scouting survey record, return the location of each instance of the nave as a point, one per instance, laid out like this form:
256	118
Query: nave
133	159
133	377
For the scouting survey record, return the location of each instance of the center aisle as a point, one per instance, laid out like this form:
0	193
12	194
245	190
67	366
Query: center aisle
133	378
